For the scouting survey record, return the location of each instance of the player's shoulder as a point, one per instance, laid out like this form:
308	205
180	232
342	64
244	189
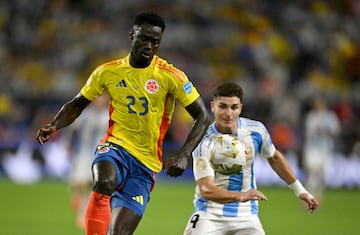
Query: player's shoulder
111	65
168	68
210	134
161	62
249	123
205	143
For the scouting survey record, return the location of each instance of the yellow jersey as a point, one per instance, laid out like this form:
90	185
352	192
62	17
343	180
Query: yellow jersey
142	102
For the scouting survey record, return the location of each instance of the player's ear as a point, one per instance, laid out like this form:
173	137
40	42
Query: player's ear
212	106
133	32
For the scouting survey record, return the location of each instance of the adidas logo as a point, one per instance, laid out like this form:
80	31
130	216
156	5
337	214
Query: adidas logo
139	199
122	83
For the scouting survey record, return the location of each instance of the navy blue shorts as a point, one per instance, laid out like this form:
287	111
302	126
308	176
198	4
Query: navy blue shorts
134	180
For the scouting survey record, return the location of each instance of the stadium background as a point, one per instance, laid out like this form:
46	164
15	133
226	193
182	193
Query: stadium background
281	52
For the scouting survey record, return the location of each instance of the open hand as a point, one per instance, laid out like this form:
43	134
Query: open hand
252	194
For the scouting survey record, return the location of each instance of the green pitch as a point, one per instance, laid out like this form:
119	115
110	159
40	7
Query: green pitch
44	208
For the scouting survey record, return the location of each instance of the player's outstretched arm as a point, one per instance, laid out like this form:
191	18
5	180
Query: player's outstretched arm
175	166
282	168
65	116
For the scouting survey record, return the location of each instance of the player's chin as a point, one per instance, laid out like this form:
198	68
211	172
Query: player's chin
227	124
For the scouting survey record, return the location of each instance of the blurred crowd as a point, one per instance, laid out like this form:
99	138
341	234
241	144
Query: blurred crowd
281	52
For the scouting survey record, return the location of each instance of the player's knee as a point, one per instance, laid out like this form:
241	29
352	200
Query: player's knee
104	185
104	177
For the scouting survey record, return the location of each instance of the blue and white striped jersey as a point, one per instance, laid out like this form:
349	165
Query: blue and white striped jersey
257	141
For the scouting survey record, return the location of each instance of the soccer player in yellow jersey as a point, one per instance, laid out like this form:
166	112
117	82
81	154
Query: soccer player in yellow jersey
143	89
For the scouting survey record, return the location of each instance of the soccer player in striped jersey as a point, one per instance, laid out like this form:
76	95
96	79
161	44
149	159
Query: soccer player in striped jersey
229	204
143	89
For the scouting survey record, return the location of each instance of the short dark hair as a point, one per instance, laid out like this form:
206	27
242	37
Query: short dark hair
228	89
151	18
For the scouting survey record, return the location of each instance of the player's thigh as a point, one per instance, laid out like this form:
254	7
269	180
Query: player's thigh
105	175
109	167
248	225
135	193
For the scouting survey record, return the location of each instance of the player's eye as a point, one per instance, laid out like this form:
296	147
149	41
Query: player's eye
142	38
155	43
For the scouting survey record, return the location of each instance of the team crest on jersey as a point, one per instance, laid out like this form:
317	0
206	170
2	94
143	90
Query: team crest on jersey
200	164
104	150
187	87
248	151
152	86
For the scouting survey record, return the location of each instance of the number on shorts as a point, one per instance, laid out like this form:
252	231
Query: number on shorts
194	220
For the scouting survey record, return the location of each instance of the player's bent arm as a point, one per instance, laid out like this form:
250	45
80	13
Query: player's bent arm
175	166
213	193
199	113
65	116
70	111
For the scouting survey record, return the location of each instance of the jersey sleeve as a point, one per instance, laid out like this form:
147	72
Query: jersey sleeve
187	94
183	90
267	148
201	164
94	86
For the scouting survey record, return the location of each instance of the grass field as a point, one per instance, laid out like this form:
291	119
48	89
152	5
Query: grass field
44	209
